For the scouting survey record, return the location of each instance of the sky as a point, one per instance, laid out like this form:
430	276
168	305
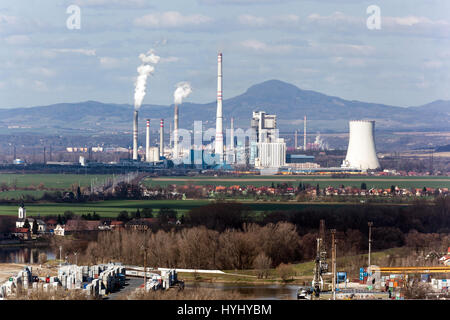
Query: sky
323	45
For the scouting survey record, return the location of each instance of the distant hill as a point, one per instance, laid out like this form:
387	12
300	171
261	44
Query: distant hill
290	103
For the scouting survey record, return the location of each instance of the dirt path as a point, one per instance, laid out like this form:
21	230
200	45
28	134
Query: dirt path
11	269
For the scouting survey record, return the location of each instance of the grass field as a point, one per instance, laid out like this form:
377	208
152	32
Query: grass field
257	181
54	181
113	207
61	182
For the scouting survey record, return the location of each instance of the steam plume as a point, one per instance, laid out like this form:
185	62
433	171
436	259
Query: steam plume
144	70
183	91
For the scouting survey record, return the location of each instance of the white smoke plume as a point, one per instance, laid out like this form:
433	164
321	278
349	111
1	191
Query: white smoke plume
144	70
183	91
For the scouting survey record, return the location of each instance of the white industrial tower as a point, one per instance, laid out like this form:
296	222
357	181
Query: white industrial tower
361	153
219	116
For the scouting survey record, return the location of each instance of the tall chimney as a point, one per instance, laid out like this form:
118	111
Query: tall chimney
296	140
219	130
135	135
147	142
232	134
304	133
175	133
161	138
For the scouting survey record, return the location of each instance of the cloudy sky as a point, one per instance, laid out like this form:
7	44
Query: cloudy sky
322	45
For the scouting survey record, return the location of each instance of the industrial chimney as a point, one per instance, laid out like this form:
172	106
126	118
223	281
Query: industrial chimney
147	142
361	153
161	138
219	116
304	133
175	133
135	135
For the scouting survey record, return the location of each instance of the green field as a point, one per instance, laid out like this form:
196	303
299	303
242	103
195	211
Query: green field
257	181
112	207
53	181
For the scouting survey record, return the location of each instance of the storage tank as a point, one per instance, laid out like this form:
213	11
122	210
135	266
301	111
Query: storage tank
361	153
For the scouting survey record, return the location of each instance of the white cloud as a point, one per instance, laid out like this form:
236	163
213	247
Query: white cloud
109	62
40	86
263	47
169	59
42	71
113	3
86	52
288	20
433	64
171	19
18	39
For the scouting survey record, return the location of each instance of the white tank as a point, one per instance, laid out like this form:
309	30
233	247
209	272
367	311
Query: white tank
361	153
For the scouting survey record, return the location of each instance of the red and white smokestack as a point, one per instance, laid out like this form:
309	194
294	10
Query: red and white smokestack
147	142
135	135
161	138
175	133
219	116
304	133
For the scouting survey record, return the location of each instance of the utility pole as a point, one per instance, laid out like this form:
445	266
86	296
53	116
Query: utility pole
317	271
333	261
370	224
144	248
60	255
76	258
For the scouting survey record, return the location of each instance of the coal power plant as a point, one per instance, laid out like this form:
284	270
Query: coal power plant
266	154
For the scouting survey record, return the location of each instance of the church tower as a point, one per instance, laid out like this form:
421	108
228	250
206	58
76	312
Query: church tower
22	212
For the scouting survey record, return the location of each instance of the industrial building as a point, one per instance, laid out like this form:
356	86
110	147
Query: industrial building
268	151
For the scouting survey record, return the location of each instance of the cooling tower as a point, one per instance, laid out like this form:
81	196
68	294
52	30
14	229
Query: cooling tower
361	152
135	135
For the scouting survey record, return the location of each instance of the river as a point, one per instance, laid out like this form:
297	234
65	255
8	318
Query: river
20	254
253	291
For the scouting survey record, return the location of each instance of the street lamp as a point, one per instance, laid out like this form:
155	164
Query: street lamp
370	224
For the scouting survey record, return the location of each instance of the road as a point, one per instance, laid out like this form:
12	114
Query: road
130	285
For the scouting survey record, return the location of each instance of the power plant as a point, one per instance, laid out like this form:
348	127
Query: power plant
361	153
265	150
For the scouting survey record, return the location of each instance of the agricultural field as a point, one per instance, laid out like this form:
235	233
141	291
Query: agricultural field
43	183
323	181
111	208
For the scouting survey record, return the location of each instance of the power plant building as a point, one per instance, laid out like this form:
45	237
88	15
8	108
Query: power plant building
268	151
361	152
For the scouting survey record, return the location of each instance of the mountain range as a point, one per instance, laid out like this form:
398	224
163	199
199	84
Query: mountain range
325	113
